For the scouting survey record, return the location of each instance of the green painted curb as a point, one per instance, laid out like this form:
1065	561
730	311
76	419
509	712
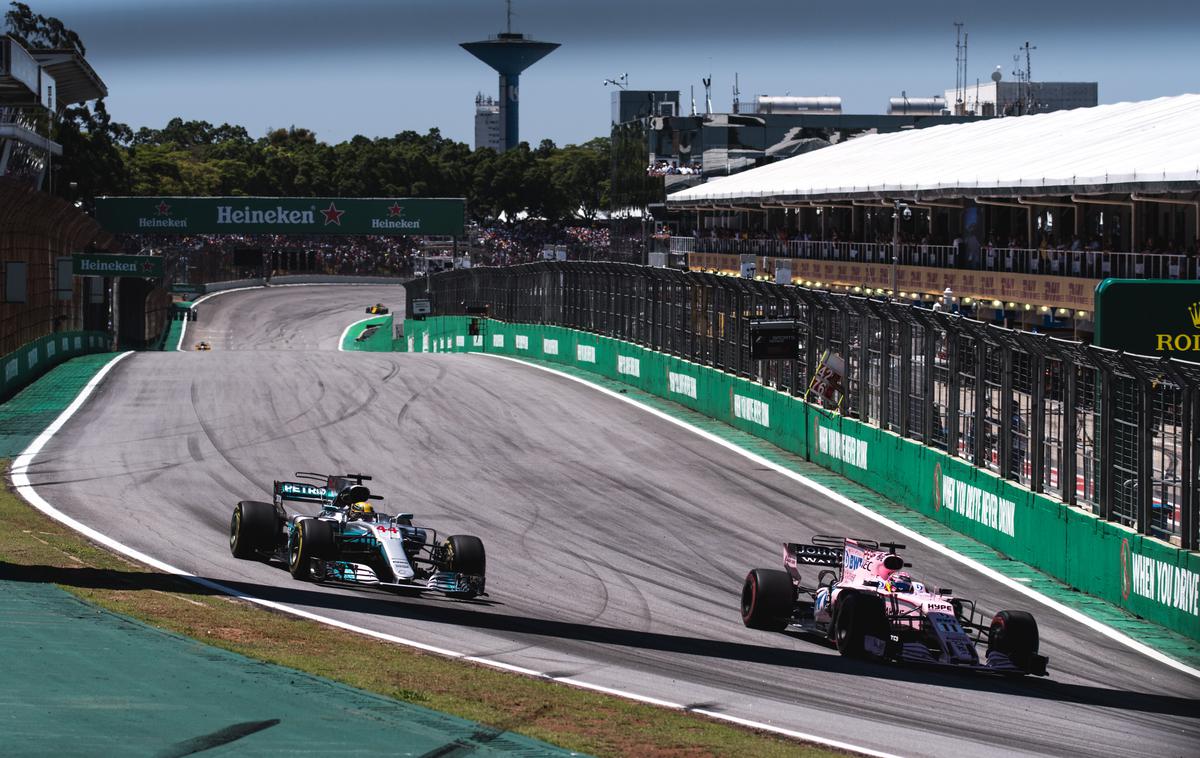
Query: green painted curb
379	341
30	411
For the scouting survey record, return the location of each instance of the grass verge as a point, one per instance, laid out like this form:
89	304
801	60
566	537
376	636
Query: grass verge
35	548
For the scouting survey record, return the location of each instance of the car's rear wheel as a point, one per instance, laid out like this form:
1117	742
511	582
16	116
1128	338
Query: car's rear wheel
856	617
767	599
313	540
1015	634
254	527
465	554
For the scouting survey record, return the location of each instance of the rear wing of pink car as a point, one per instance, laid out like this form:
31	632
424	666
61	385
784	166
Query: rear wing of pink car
845	553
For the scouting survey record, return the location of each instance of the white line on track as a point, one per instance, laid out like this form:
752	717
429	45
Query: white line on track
20	480
837	497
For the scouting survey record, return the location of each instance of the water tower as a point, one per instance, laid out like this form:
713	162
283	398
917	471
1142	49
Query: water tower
509	54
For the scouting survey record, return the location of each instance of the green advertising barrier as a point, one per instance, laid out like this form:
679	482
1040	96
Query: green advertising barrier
360	337
1146	577
28	362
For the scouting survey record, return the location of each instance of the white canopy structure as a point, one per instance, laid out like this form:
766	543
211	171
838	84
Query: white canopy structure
1149	146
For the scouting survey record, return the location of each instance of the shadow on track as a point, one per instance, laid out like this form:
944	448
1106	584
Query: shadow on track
477	615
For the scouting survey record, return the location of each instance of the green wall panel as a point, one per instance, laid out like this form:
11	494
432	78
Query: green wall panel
31	360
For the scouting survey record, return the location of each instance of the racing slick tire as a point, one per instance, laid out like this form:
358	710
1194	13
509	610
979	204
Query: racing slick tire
314	539
856	616
253	528
1015	634
465	555
768	598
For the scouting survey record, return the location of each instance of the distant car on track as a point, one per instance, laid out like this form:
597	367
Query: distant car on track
349	542
864	602
203	345
379	309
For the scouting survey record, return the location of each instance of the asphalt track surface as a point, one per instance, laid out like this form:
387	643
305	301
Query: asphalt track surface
617	543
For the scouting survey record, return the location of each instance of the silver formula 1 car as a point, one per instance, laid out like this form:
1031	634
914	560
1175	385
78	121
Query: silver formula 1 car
348	541
863	601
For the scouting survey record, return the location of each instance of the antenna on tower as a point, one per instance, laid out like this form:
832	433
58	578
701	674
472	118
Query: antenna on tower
736	92
966	37
1029	104
508	14
707	95
958	68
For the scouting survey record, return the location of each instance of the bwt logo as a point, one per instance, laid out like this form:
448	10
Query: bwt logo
755	411
682	384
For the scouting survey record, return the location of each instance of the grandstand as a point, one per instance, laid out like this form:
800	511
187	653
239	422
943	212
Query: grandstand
1019	217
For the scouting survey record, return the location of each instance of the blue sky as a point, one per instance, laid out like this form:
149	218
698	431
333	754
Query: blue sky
377	67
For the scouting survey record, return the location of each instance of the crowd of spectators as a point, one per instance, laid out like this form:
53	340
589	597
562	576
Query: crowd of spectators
665	168
210	257
1046	243
524	241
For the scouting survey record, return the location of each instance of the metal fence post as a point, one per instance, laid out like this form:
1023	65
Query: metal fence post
953	388
1067	471
1006	414
1106	444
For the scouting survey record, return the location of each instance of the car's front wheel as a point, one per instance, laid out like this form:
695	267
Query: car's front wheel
465	554
857	616
313	540
1015	634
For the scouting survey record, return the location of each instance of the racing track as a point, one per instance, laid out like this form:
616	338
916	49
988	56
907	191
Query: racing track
617	542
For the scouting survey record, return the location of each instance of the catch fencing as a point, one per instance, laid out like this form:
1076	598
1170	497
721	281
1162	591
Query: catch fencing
1114	434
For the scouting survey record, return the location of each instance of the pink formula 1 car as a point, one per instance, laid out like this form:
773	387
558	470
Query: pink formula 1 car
864	601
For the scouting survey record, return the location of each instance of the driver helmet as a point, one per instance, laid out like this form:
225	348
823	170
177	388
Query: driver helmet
899	582
361	511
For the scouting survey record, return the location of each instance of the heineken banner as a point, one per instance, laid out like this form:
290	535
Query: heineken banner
90	264
281	215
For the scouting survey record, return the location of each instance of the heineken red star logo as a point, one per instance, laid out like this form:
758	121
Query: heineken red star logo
332	215
395	210
162	208
147	267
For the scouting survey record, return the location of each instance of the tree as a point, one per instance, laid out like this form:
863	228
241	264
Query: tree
39	32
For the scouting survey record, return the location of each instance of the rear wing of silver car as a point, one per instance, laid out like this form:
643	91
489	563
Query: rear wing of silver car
301	492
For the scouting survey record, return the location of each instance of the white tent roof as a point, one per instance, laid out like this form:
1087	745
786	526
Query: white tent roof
1149	146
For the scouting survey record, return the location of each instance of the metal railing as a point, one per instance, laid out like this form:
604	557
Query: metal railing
1088	264
1110	433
